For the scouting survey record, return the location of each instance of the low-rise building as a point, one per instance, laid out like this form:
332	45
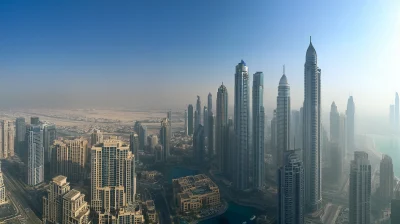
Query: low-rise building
151	211
195	192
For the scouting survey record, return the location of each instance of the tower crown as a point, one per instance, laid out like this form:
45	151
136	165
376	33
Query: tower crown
311	55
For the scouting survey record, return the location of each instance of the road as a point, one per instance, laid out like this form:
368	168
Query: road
18	197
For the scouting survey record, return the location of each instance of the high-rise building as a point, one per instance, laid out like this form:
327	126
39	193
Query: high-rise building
257	165
6	139
165	138
283	119
20	135
336	156
312	131
209	103
295	130
63	205
35	174
205	121
113	175
69	158
3	198
221	130
197	117
96	137
35	121
360	189
274	139
395	209
211	135
291	189
75	208
143	137
154	141
350	124
396	112
190	119
49	135
169	116
199	145
386	179
185	127
52	204
334	123
242	127
134	144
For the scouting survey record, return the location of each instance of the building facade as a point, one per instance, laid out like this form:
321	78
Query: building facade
283	120
312	131
350	113
386	179
190	119
75	208
197	117
221	130
3	198
35	174
199	145
52	204
360	189
49	136
96	137
6	139
257	167
165	138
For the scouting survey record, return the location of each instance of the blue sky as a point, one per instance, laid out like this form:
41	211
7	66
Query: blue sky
163	53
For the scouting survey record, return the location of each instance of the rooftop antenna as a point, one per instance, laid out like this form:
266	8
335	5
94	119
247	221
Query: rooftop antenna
310	39
284	69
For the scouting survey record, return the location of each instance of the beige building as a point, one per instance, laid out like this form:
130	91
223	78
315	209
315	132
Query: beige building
195	192
151	211
52	204
69	158
129	214
3	198
112	176
75	208
7	133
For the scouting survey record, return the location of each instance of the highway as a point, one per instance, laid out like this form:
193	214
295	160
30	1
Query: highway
18	197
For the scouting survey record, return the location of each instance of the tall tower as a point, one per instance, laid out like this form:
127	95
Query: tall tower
134	144
334	123
198	113
169	116
190	119
211	135
274	139
221	130
257	165
35	155
165	138
360	189
3	198
291	189
186	122
396	112
312	131
283	119
336	151
112	176
199	145
20	133
350	124
386	178
205	121
6	139
209	103
242	127
49	135
96	137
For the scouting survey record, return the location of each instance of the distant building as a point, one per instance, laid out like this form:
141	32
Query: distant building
336	151
190	119
283	114
295	130
194	192
205	121
69	158
350	124
395	209
185	127
134	144
209	103
96	137
197	117
159	154
63	205
386	179
165	138
3	198
360	189
151	211
199	145
257	167
211	135
291	189
274	140
221	130
6	139
35	121
141	130
112	177
35	174
20	134
49	135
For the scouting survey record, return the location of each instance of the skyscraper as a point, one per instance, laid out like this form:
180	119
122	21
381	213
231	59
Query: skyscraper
257	165
396	112
69	158
134	145
185	127
35	121
190	119
3	198
343	136
395	209
169	116
165	138
221	129
295	130
205	121
113	174
291	189
35	174
386	178
49	135
360	189
211	135
52	204
143	137
274	140
350	124
96	137
199	145
6	139
20	133
312	131
242	127
209	103
334	123
198	113
283	119
336	152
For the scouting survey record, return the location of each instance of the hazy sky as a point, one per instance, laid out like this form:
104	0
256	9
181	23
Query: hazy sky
162	54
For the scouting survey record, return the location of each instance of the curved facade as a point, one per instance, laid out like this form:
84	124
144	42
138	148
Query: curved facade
312	131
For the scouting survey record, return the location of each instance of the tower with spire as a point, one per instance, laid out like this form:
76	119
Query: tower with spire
312	131
3	198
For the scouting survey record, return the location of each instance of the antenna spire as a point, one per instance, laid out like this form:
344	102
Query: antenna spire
284	69
310	39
